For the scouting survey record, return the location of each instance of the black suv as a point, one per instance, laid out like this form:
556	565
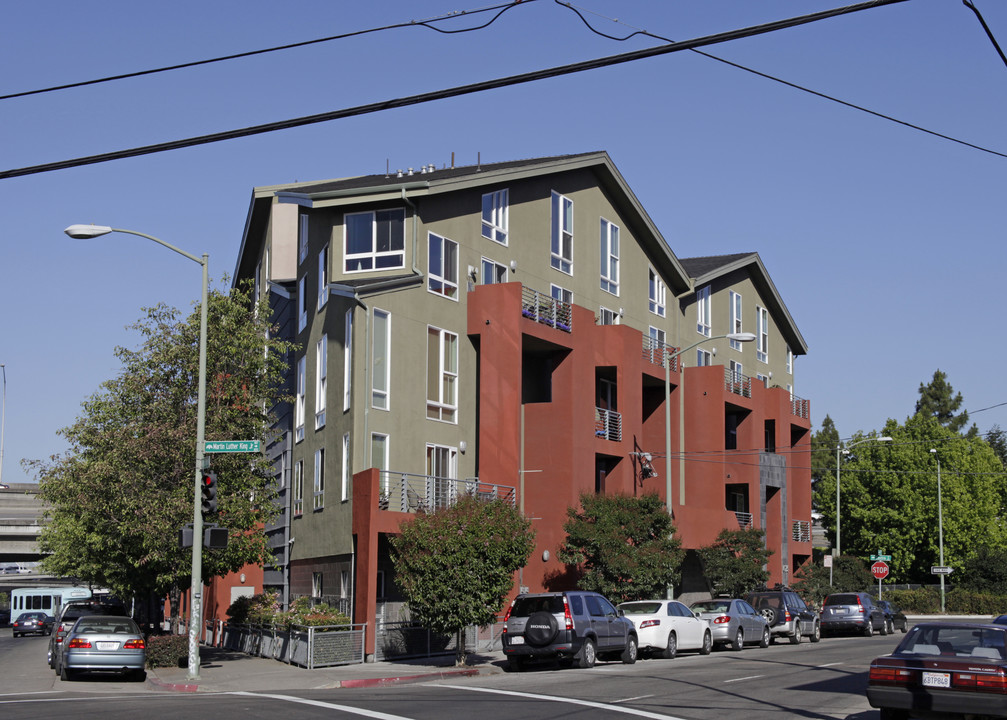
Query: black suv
787	614
574	626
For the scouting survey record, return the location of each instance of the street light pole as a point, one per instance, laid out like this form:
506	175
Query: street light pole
3	418
839	447
83	232
940	523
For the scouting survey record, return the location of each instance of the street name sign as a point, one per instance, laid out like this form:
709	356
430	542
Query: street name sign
886	558
879	570
939	570
224	446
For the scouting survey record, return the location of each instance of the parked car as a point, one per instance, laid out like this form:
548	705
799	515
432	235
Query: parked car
68	615
733	622
104	644
666	626
787	614
942	667
35	622
852	612
895	617
573	626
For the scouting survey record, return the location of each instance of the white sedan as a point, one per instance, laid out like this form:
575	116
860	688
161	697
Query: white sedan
664	627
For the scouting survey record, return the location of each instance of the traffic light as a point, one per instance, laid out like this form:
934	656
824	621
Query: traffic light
208	482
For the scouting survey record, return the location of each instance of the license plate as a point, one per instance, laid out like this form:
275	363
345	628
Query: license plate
935	679
516	640
106	645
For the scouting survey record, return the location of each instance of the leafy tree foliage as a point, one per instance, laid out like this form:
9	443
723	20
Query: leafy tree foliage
823	465
985	572
623	545
848	573
735	562
889	498
939	401
456	566
997	440
117	498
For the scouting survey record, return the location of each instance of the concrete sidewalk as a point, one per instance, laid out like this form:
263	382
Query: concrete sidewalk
228	671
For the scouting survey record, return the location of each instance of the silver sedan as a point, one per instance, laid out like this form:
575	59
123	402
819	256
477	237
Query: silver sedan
105	644
734	622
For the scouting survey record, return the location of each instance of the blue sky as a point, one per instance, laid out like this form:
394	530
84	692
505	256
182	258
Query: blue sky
886	243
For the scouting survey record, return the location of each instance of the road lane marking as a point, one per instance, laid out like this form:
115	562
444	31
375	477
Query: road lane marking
830	664
571	701
638	697
319	703
749	677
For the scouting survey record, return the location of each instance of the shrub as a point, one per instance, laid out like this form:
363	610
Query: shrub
167	650
264	610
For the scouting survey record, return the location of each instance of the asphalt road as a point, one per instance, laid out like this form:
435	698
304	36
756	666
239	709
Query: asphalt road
823	680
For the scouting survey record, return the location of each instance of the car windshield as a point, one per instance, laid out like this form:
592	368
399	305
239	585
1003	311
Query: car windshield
764	601
842	599
954	640
712	606
640	608
525	606
117	626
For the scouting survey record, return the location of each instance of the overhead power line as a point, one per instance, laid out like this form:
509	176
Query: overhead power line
449	92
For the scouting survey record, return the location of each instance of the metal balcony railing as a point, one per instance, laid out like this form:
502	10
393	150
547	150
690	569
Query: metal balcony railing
607	424
405	492
657	352
802	530
546	309
737	383
800	408
744	519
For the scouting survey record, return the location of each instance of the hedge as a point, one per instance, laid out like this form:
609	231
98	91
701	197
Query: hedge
167	651
927	601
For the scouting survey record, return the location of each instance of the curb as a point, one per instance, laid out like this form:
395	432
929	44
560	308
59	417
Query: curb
176	687
407	679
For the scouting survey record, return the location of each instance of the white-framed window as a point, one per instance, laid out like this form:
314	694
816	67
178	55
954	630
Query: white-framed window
703	311
345	473
442	375
493	272
323	276
495	216
381	356
317	588
302	303
256	289
299	401
347	359
561	294
302	237
763	378
657	335
321	373
442	266
608	317
375	240
442	463
379	452
657	293
735	322
609	257
790	360
319	486
761	334
704	358
737	371
297	500
562	233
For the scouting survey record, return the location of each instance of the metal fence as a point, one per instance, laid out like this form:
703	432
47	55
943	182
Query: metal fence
406	492
404	640
308	646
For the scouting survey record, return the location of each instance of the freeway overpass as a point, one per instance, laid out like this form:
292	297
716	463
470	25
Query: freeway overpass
20	522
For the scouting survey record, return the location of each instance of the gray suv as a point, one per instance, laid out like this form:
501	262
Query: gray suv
853	612
787	614
574	626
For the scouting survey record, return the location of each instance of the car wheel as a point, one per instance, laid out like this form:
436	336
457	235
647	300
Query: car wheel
891	627
739	640
588	654
816	634
796	638
905	626
869	630
707	644
517	663
770	614
65	673
764	643
884	628
672	649
628	656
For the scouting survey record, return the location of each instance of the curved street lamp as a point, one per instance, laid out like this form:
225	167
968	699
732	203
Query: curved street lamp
940	522
86	232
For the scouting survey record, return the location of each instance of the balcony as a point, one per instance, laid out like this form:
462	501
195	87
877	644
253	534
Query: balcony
737	383
744	520
405	492
800	408
607	424
546	309
657	352
802	531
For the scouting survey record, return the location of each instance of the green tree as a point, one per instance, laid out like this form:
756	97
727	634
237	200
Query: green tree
823	473
623	546
117	498
889	498
985	572
456	566
939	401
735	562
997	440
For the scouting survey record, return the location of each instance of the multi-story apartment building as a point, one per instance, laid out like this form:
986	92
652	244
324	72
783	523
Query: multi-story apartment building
512	330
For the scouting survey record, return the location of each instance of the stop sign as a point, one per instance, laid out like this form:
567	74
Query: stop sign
879	570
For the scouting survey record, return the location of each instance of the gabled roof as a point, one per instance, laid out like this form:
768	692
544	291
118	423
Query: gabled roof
704	270
430	180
